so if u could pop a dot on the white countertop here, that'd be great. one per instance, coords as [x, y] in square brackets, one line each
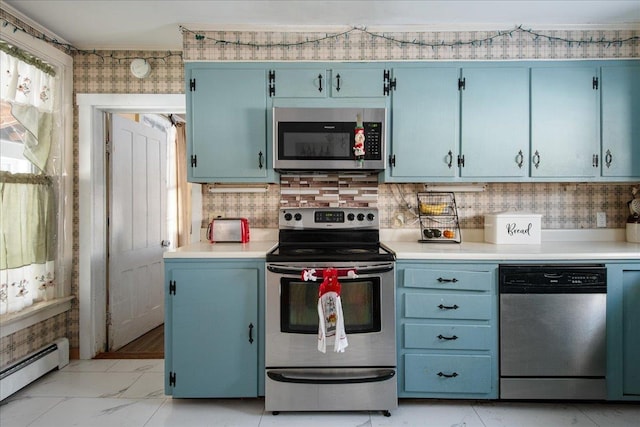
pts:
[252, 249]
[557, 245]
[550, 251]
[570, 245]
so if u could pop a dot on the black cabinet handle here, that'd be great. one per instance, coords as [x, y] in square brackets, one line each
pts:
[520, 159]
[448, 307]
[392, 160]
[338, 80]
[442, 374]
[320, 80]
[608, 158]
[595, 160]
[260, 159]
[536, 159]
[461, 161]
[454, 280]
[450, 156]
[250, 333]
[442, 337]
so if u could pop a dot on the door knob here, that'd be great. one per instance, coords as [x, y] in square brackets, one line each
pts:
[165, 243]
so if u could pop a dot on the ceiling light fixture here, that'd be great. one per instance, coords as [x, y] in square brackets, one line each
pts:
[140, 68]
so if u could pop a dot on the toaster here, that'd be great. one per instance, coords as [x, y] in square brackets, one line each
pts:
[228, 230]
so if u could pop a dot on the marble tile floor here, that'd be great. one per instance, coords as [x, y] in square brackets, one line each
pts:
[110, 393]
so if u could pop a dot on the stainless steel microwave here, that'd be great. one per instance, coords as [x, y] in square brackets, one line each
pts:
[327, 139]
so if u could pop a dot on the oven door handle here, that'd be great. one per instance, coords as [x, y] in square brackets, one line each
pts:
[360, 271]
[372, 376]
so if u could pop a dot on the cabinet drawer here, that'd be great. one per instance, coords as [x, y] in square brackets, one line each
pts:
[447, 374]
[448, 279]
[447, 337]
[447, 306]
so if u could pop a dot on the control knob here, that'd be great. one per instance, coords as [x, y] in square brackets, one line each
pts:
[298, 216]
[287, 216]
[370, 216]
[360, 217]
[351, 217]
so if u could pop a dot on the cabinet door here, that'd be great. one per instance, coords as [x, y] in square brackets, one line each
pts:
[424, 123]
[357, 82]
[631, 332]
[565, 121]
[214, 330]
[495, 123]
[621, 121]
[227, 129]
[299, 83]
[442, 374]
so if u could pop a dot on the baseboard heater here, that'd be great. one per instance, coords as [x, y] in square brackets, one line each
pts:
[33, 366]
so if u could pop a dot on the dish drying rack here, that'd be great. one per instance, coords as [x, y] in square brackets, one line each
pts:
[438, 217]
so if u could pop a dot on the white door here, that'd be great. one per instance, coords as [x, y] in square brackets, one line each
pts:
[137, 227]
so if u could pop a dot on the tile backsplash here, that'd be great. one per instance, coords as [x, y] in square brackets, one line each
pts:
[562, 205]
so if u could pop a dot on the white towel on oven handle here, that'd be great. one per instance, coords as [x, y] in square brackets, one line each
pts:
[331, 323]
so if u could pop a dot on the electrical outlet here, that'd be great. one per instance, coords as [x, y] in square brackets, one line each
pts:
[601, 219]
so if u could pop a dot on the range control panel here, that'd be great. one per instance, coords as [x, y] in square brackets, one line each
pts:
[334, 218]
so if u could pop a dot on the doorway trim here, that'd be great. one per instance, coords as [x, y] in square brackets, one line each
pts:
[92, 260]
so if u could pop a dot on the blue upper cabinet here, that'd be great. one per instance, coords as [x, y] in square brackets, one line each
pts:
[322, 81]
[621, 121]
[494, 136]
[424, 124]
[227, 124]
[565, 122]
[298, 83]
[359, 82]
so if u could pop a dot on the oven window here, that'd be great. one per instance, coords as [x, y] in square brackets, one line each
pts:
[360, 306]
[315, 141]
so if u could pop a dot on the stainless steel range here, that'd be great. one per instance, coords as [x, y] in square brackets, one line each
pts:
[299, 377]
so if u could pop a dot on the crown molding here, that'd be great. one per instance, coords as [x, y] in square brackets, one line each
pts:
[406, 28]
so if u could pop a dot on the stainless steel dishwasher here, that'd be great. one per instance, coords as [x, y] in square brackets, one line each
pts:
[553, 331]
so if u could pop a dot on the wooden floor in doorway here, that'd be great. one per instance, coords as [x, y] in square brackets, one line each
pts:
[148, 346]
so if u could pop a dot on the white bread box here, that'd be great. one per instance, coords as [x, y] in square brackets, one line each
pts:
[513, 228]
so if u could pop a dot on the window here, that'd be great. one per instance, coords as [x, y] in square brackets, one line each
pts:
[35, 172]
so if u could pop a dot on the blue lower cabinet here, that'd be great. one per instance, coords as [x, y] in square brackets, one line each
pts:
[623, 331]
[213, 329]
[447, 330]
[448, 337]
[443, 374]
[447, 306]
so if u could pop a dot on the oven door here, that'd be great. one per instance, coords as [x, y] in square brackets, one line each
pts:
[368, 306]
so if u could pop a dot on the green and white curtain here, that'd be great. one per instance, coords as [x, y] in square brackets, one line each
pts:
[28, 208]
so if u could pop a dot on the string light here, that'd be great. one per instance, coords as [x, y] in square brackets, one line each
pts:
[535, 35]
[435, 44]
